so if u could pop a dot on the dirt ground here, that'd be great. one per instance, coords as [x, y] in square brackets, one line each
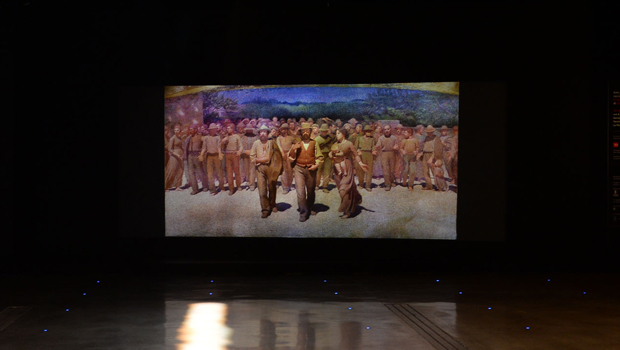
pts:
[398, 213]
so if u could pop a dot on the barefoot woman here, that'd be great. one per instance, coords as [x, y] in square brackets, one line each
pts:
[349, 197]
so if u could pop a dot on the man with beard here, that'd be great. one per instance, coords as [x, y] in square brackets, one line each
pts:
[388, 146]
[249, 169]
[260, 155]
[324, 141]
[432, 150]
[285, 142]
[232, 148]
[307, 157]
[193, 147]
[211, 148]
[366, 149]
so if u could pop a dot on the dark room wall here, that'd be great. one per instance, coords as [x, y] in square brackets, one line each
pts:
[73, 194]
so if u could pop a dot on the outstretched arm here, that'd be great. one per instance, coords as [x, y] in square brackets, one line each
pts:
[357, 157]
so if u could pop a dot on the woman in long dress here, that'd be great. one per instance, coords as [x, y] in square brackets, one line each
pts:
[174, 168]
[166, 139]
[346, 154]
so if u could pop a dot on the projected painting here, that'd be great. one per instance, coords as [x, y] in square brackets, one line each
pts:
[321, 161]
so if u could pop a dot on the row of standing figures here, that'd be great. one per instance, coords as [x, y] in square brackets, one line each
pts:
[395, 166]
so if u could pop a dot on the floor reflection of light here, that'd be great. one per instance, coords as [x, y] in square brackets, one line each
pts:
[205, 328]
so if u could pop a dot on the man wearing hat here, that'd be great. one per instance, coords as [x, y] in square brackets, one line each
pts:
[249, 170]
[324, 141]
[388, 147]
[193, 147]
[307, 157]
[432, 150]
[409, 148]
[211, 149]
[366, 149]
[232, 147]
[285, 142]
[315, 131]
[261, 155]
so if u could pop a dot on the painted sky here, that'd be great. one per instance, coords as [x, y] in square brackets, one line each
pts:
[302, 94]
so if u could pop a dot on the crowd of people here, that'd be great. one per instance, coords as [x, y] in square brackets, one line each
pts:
[313, 153]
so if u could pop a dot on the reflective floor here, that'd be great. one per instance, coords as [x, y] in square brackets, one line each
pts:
[210, 310]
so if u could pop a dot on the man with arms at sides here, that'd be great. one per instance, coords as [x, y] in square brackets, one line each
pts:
[432, 150]
[221, 131]
[409, 148]
[260, 155]
[240, 130]
[398, 162]
[388, 147]
[193, 147]
[232, 147]
[307, 157]
[419, 135]
[184, 137]
[445, 141]
[211, 149]
[366, 150]
[377, 132]
[324, 141]
[249, 169]
[285, 142]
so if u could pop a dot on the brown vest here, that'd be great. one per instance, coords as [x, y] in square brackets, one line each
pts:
[306, 157]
